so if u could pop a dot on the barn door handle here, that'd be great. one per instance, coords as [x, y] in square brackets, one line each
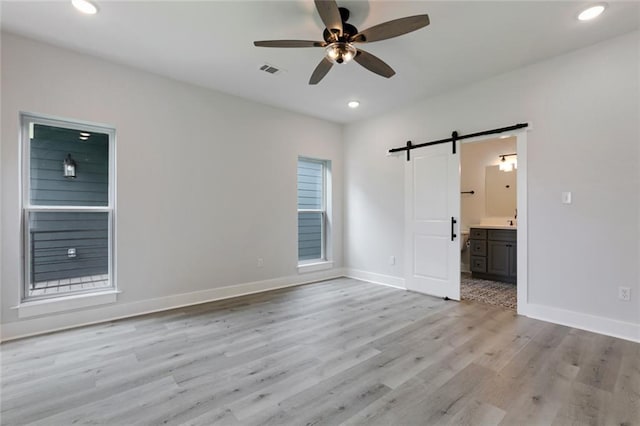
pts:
[453, 223]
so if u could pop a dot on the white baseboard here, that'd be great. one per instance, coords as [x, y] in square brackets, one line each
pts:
[596, 324]
[105, 313]
[372, 277]
[94, 315]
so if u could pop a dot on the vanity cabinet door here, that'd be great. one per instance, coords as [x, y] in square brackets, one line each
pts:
[498, 258]
[513, 261]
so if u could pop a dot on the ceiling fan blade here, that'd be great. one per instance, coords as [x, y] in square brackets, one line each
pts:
[289, 43]
[391, 29]
[321, 70]
[330, 15]
[373, 64]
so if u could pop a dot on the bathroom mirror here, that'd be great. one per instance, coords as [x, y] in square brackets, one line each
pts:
[500, 192]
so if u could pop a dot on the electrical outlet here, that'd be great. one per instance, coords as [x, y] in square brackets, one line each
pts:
[392, 260]
[260, 262]
[624, 293]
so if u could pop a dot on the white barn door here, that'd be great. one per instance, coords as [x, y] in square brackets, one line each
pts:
[432, 208]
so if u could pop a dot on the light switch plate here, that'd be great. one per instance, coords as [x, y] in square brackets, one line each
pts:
[566, 198]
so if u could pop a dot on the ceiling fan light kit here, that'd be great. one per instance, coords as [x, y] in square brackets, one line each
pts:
[340, 53]
[340, 37]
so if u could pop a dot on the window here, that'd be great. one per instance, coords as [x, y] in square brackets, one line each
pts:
[68, 207]
[312, 210]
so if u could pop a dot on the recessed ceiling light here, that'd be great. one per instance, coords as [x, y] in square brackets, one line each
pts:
[592, 12]
[84, 138]
[85, 134]
[85, 6]
[353, 104]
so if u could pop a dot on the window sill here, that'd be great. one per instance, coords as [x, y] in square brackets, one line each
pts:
[67, 303]
[315, 266]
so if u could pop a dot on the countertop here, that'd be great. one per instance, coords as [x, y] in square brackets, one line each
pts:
[494, 227]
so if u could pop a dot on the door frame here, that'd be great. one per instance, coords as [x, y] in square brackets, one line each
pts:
[522, 205]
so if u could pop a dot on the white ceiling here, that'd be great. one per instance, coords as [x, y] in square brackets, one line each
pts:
[210, 43]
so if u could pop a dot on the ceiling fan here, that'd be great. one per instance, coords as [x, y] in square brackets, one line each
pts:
[340, 37]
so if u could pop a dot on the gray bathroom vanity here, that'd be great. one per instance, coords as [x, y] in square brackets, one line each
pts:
[494, 253]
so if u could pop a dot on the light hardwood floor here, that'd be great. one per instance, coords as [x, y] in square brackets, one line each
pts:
[335, 352]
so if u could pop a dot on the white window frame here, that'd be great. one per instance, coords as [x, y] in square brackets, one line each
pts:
[310, 265]
[25, 138]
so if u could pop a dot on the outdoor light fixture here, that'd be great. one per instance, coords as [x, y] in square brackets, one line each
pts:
[69, 167]
[340, 53]
[507, 166]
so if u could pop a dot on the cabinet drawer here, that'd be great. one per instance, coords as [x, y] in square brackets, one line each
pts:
[502, 234]
[478, 264]
[478, 234]
[478, 248]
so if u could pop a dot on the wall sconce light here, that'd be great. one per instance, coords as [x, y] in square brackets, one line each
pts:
[508, 165]
[69, 167]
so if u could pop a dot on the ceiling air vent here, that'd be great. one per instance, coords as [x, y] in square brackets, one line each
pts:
[270, 69]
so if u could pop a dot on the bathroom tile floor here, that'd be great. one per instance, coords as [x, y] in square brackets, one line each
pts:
[490, 292]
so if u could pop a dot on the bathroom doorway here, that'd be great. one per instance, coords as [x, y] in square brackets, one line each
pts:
[491, 192]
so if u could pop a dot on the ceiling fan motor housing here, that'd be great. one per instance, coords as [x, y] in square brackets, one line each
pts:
[348, 30]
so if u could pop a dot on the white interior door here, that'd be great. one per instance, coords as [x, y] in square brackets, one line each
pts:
[432, 209]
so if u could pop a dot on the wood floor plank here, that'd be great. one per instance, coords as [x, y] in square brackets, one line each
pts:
[602, 363]
[269, 399]
[505, 387]
[585, 405]
[447, 363]
[626, 404]
[478, 413]
[336, 352]
[539, 399]
[218, 417]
